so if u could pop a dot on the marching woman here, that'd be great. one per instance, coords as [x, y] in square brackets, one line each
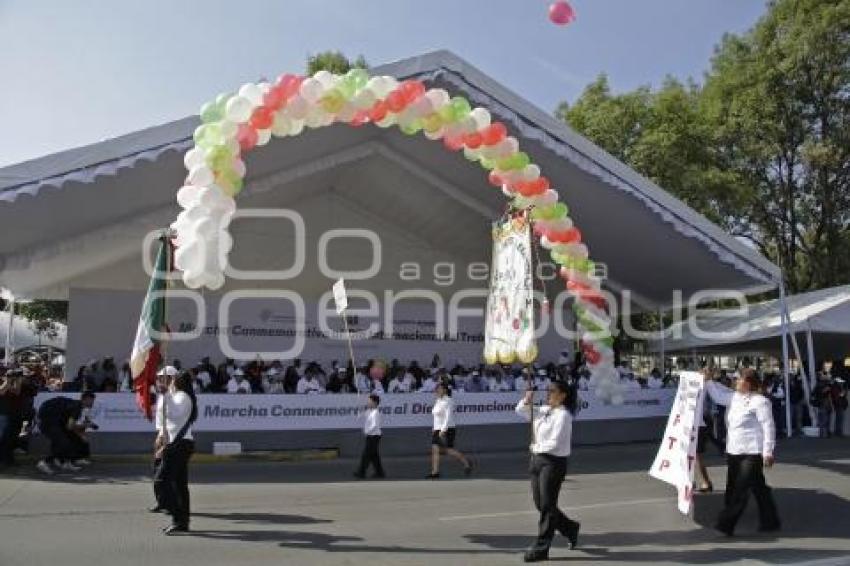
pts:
[443, 435]
[549, 452]
[750, 439]
[175, 438]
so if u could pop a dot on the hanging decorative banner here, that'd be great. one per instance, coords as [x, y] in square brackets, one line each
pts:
[674, 463]
[509, 325]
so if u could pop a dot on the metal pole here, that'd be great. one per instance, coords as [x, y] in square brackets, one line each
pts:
[807, 385]
[663, 352]
[351, 353]
[10, 332]
[785, 373]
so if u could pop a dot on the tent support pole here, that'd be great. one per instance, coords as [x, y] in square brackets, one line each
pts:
[663, 353]
[10, 332]
[785, 361]
[786, 317]
[813, 372]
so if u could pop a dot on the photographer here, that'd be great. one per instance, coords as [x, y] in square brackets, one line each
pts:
[62, 421]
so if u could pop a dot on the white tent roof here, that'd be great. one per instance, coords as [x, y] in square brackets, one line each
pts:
[76, 218]
[825, 312]
[24, 334]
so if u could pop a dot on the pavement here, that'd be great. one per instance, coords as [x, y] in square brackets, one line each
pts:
[314, 513]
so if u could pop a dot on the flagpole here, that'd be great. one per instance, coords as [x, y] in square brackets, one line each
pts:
[165, 239]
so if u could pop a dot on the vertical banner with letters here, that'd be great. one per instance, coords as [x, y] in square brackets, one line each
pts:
[509, 326]
[674, 463]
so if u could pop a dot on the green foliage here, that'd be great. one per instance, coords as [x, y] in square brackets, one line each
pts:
[762, 148]
[333, 61]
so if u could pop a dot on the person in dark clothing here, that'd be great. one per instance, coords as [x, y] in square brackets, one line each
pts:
[57, 419]
[292, 376]
[10, 392]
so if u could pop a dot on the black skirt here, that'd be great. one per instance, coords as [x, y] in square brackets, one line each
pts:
[447, 442]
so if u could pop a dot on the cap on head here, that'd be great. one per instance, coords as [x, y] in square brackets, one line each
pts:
[169, 371]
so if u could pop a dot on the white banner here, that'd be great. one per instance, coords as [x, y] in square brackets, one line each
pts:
[509, 328]
[117, 412]
[674, 463]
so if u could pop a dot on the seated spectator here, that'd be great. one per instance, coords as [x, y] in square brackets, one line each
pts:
[125, 378]
[361, 381]
[542, 381]
[273, 382]
[398, 384]
[203, 377]
[308, 384]
[292, 377]
[474, 383]
[496, 382]
[429, 384]
[238, 383]
[655, 381]
[521, 382]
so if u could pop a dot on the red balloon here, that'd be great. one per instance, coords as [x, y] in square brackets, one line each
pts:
[396, 101]
[262, 118]
[246, 136]
[412, 90]
[289, 85]
[561, 13]
[274, 98]
[453, 143]
[379, 111]
[494, 179]
[494, 133]
[473, 140]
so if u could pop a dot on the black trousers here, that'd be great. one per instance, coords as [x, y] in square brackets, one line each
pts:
[158, 483]
[63, 444]
[745, 473]
[175, 480]
[547, 475]
[371, 456]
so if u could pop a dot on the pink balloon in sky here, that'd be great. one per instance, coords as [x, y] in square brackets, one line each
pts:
[561, 13]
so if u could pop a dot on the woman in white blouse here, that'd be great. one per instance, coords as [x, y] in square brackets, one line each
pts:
[550, 449]
[443, 434]
[750, 440]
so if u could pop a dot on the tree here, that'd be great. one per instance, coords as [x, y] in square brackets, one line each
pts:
[44, 315]
[762, 148]
[333, 61]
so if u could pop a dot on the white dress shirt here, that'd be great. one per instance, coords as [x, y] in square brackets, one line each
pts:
[178, 409]
[308, 386]
[428, 385]
[553, 429]
[749, 420]
[234, 386]
[444, 413]
[372, 426]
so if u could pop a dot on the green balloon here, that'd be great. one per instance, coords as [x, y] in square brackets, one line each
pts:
[488, 164]
[460, 108]
[210, 112]
[219, 157]
[358, 77]
[521, 159]
[559, 210]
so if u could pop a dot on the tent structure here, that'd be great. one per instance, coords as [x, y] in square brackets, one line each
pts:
[76, 219]
[23, 334]
[822, 316]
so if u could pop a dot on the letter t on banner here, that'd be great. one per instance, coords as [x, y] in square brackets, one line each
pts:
[341, 301]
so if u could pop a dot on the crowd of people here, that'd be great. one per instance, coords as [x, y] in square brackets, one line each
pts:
[259, 376]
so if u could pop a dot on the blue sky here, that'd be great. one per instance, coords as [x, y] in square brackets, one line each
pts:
[78, 72]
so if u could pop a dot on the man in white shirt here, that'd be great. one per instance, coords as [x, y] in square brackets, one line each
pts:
[429, 384]
[372, 432]
[750, 440]
[361, 381]
[409, 381]
[238, 383]
[203, 377]
[398, 385]
[308, 384]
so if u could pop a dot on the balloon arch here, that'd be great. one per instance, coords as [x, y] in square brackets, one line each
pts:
[232, 125]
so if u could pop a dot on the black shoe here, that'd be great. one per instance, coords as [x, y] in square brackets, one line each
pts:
[536, 555]
[726, 531]
[175, 529]
[157, 509]
[432, 476]
[572, 534]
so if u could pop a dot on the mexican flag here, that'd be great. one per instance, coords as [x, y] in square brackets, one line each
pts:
[144, 362]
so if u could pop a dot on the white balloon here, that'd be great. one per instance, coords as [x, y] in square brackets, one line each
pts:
[228, 129]
[438, 97]
[252, 92]
[239, 167]
[315, 117]
[311, 90]
[297, 127]
[298, 107]
[481, 116]
[187, 196]
[192, 280]
[530, 172]
[263, 137]
[215, 281]
[325, 78]
[281, 125]
[548, 198]
[194, 157]
[378, 87]
[238, 109]
[201, 176]
[364, 99]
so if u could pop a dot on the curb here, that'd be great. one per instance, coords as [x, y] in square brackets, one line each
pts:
[208, 458]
